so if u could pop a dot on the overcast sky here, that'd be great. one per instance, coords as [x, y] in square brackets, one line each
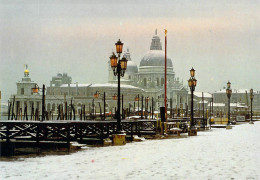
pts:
[220, 39]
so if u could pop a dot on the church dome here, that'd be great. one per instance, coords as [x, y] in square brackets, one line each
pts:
[155, 57]
[131, 66]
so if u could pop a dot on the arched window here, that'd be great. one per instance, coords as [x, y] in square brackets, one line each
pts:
[48, 107]
[53, 107]
[145, 82]
[162, 81]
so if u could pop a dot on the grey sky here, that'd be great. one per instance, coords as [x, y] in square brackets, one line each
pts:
[220, 39]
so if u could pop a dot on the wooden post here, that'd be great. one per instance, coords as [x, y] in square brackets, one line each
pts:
[9, 109]
[104, 106]
[32, 111]
[100, 111]
[43, 102]
[152, 107]
[62, 114]
[134, 108]
[13, 109]
[66, 110]
[142, 109]
[84, 112]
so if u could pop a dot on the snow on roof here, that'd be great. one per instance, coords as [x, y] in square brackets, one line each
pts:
[74, 85]
[114, 85]
[238, 105]
[218, 104]
[205, 94]
[201, 102]
[235, 91]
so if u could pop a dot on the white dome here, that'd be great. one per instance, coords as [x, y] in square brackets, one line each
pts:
[155, 58]
[131, 67]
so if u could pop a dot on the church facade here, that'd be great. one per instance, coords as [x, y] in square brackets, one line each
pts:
[147, 80]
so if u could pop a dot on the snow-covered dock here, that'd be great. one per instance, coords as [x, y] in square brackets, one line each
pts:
[214, 154]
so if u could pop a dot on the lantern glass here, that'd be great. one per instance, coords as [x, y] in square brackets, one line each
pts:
[35, 89]
[96, 95]
[113, 60]
[228, 91]
[192, 72]
[123, 63]
[119, 46]
[136, 98]
[147, 99]
[114, 97]
[228, 84]
[190, 82]
[194, 82]
[251, 91]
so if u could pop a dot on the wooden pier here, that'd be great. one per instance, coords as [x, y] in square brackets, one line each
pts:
[60, 133]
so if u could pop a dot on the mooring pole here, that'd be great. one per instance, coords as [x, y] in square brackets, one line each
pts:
[43, 102]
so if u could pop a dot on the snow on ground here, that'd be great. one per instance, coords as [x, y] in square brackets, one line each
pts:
[216, 154]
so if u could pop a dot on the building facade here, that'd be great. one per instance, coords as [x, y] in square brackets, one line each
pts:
[147, 80]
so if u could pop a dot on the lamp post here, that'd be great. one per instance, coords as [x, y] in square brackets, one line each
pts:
[96, 95]
[36, 89]
[192, 82]
[228, 92]
[251, 98]
[119, 66]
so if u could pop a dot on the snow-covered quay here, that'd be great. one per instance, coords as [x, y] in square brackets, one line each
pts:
[214, 154]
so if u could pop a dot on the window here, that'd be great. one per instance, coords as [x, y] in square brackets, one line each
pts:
[145, 82]
[162, 81]
[158, 82]
[22, 91]
[129, 77]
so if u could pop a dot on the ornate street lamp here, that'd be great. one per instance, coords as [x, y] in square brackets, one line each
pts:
[228, 92]
[251, 98]
[114, 97]
[36, 89]
[119, 66]
[192, 82]
[96, 94]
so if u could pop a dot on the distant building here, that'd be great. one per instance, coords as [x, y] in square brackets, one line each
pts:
[240, 100]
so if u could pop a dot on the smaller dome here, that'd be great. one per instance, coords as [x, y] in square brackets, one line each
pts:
[131, 67]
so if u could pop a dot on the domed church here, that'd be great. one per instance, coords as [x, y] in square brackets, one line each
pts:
[147, 80]
[150, 75]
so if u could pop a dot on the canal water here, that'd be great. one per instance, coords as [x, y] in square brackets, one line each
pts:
[214, 154]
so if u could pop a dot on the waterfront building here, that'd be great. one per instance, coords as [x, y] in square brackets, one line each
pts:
[147, 80]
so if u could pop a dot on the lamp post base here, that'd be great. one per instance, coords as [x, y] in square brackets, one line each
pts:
[192, 132]
[251, 122]
[228, 126]
[119, 139]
